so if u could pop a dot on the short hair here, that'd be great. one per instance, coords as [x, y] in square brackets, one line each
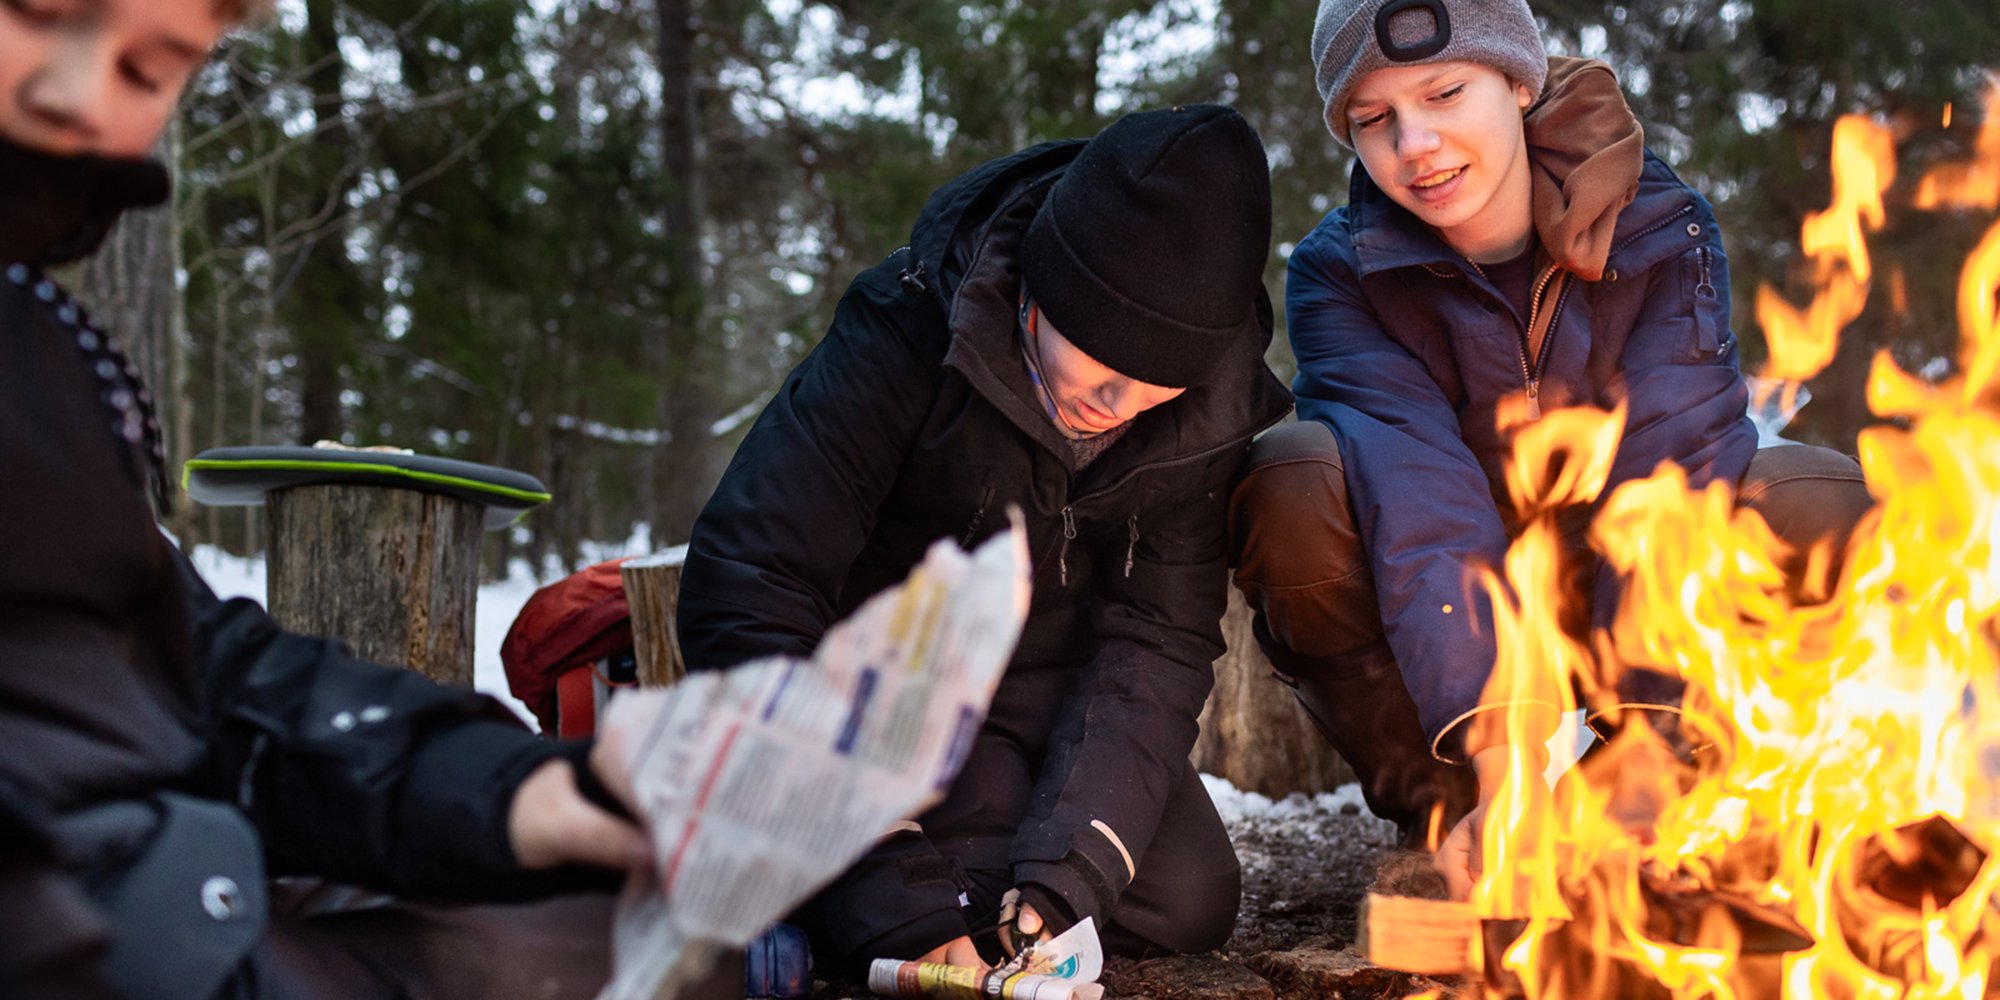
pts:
[245, 11]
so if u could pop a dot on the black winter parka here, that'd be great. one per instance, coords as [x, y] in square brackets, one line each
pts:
[167, 752]
[914, 420]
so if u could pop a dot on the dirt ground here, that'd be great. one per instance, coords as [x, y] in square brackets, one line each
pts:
[1306, 865]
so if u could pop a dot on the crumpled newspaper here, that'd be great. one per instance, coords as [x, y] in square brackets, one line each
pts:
[762, 783]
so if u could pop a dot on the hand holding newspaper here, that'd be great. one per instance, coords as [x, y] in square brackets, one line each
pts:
[762, 783]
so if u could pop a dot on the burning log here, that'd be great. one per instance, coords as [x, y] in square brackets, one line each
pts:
[1680, 911]
[1931, 861]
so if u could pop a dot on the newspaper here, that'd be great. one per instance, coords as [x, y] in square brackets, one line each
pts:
[762, 783]
[1064, 967]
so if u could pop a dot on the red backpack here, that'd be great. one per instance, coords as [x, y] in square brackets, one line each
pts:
[571, 644]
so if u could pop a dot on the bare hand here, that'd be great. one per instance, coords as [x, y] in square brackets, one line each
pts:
[958, 951]
[550, 823]
[1023, 930]
[1458, 858]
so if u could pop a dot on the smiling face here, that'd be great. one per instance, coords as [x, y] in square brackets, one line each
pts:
[1445, 141]
[1089, 398]
[98, 76]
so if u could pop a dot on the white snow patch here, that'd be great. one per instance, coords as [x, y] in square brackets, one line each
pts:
[1239, 808]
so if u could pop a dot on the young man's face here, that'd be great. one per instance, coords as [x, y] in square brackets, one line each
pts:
[1089, 397]
[98, 76]
[1445, 141]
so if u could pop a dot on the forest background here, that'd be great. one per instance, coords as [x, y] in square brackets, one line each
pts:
[586, 238]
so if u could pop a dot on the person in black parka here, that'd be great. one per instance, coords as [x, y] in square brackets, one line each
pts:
[166, 752]
[1075, 331]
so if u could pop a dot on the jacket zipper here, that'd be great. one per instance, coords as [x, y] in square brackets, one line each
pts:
[978, 518]
[1069, 535]
[1531, 372]
[1131, 543]
[1650, 230]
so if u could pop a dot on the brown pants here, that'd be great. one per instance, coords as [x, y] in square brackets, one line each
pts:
[557, 949]
[1302, 568]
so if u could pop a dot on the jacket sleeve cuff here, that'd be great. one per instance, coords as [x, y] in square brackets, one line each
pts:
[1083, 890]
[588, 783]
[455, 804]
[1056, 915]
[1485, 726]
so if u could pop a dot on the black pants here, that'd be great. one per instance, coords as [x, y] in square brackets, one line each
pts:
[1183, 898]
[1302, 568]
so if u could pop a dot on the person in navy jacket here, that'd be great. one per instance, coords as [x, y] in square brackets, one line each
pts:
[1508, 247]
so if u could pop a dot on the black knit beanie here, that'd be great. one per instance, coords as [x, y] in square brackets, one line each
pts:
[1149, 252]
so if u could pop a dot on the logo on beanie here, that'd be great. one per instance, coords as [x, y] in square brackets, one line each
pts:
[1423, 48]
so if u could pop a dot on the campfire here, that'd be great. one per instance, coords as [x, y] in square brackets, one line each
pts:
[1820, 819]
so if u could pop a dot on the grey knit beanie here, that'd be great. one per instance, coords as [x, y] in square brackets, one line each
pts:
[1353, 38]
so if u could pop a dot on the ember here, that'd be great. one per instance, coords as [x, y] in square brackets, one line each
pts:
[1819, 821]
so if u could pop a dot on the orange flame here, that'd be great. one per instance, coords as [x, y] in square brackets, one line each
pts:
[1803, 342]
[1844, 798]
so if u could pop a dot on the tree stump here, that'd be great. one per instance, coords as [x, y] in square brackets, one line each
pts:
[1253, 731]
[653, 593]
[394, 572]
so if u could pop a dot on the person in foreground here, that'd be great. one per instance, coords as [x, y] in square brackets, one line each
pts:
[167, 753]
[1508, 247]
[1076, 330]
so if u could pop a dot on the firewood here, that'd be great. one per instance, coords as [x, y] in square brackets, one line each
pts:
[1433, 937]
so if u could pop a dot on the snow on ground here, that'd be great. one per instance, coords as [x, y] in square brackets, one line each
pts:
[499, 603]
[1239, 807]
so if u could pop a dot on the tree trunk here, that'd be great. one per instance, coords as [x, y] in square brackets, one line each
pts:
[684, 464]
[330, 294]
[393, 572]
[1253, 731]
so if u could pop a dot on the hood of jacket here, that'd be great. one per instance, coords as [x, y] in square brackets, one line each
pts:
[965, 245]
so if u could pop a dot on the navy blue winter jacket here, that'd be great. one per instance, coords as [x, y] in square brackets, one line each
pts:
[1407, 352]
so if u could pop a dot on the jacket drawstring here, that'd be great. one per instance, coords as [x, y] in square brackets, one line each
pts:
[1131, 543]
[1069, 535]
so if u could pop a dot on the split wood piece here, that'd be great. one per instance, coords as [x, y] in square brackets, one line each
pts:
[1438, 937]
[1253, 731]
[653, 593]
[393, 572]
[1432, 937]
